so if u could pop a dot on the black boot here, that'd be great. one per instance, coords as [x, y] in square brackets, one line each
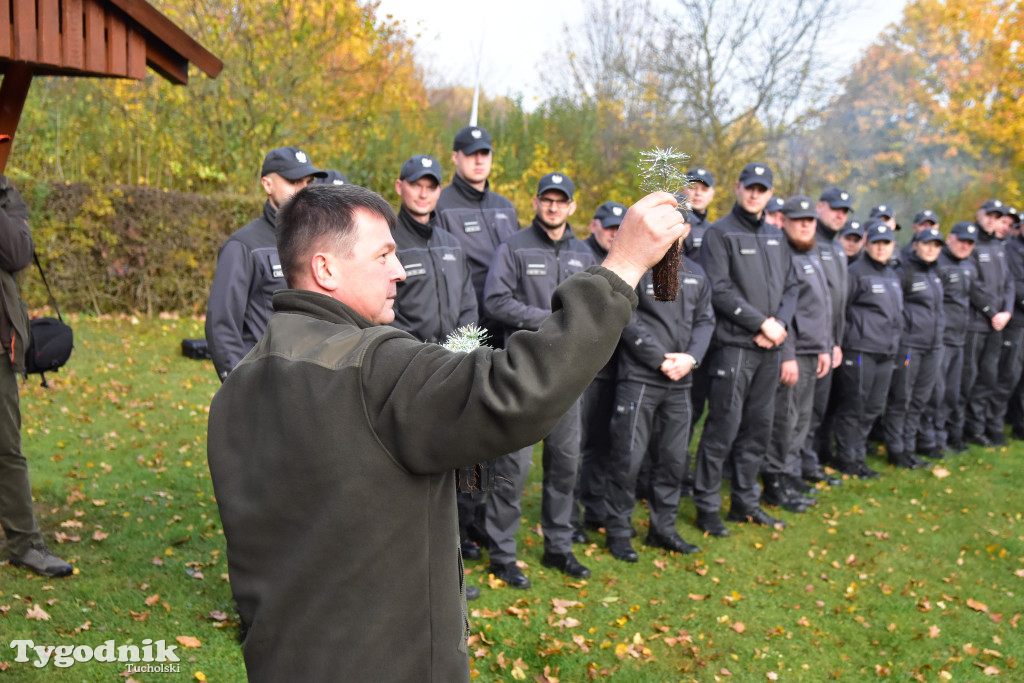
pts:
[775, 492]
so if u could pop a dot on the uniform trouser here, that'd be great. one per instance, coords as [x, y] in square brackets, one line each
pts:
[560, 457]
[793, 408]
[913, 382]
[651, 418]
[1011, 360]
[863, 383]
[16, 514]
[817, 448]
[471, 507]
[1015, 406]
[979, 379]
[596, 408]
[698, 397]
[938, 422]
[741, 405]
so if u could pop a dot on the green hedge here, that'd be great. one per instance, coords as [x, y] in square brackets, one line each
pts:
[128, 249]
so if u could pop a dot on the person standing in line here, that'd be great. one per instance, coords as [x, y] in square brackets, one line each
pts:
[480, 219]
[748, 267]
[942, 423]
[920, 352]
[874, 317]
[527, 268]
[806, 360]
[248, 268]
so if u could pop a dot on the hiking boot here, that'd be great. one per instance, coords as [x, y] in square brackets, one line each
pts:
[775, 493]
[819, 474]
[673, 542]
[755, 516]
[39, 559]
[565, 563]
[579, 535]
[622, 549]
[510, 574]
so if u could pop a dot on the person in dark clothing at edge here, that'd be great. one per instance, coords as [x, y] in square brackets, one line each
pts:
[1015, 247]
[748, 266]
[660, 348]
[806, 359]
[436, 297]
[920, 351]
[833, 210]
[248, 268]
[335, 487]
[943, 422]
[1011, 355]
[480, 219]
[598, 400]
[992, 303]
[527, 268]
[874, 321]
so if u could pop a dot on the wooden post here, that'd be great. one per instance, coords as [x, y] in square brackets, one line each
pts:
[13, 92]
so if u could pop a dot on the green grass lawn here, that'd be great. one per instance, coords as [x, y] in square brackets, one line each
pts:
[913, 576]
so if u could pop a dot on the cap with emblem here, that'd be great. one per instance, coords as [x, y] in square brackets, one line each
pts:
[332, 177]
[421, 165]
[994, 206]
[929, 235]
[882, 210]
[556, 181]
[701, 175]
[877, 231]
[836, 198]
[965, 230]
[799, 206]
[757, 173]
[291, 163]
[775, 204]
[852, 228]
[1013, 213]
[610, 214]
[925, 216]
[471, 140]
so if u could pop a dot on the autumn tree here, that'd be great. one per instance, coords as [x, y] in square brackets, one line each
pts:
[931, 114]
[328, 76]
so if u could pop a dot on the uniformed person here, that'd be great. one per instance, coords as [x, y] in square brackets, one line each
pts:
[660, 348]
[1011, 361]
[526, 269]
[806, 360]
[700, 195]
[874, 320]
[332, 177]
[992, 303]
[943, 422]
[480, 219]
[747, 264]
[598, 400]
[773, 212]
[248, 269]
[920, 352]
[852, 238]
[436, 297]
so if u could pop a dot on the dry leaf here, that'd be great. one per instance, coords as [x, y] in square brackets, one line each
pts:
[940, 472]
[977, 606]
[153, 599]
[189, 641]
[36, 612]
[99, 535]
[738, 627]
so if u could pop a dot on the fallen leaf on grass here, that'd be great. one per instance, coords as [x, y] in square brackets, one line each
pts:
[66, 538]
[153, 599]
[99, 535]
[977, 606]
[562, 606]
[694, 596]
[37, 612]
[934, 631]
[738, 627]
[217, 615]
[484, 613]
[189, 641]
[940, 472]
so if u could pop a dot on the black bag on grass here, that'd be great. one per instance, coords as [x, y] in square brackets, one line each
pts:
[50, 346]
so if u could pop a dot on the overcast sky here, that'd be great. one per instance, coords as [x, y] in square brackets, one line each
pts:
[516, 34]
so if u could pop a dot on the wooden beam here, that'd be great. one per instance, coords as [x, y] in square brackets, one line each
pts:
[166, 62]
[49, 31]
[117, 46]
[73, 35]
[166, 31]
[6, 30]
[24, 21]
[136, 54]
[95, 37]
[13, 92]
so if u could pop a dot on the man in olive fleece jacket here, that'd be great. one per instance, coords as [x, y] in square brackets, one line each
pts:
[332, 444]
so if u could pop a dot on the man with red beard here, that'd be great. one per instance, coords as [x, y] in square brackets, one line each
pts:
[806, 358]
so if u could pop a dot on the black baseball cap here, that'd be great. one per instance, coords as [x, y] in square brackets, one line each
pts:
[332, 177]
[929, 235]
[799, 206]
[877, 231]
[556, 181]
[994, 206]
[471, 140]
[965, 230]
[701, 175]
[881, 210]
[610, 214]
[756, 173]
[836, 198]
[291, 163]
[1012, 211]
[421, 165]
[774, 204]
[852, 228]
[926, 215]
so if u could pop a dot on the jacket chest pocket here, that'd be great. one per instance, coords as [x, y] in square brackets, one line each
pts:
[747, 248]
[274, 265]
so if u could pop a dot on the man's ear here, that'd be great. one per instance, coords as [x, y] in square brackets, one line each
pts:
[324, 269]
